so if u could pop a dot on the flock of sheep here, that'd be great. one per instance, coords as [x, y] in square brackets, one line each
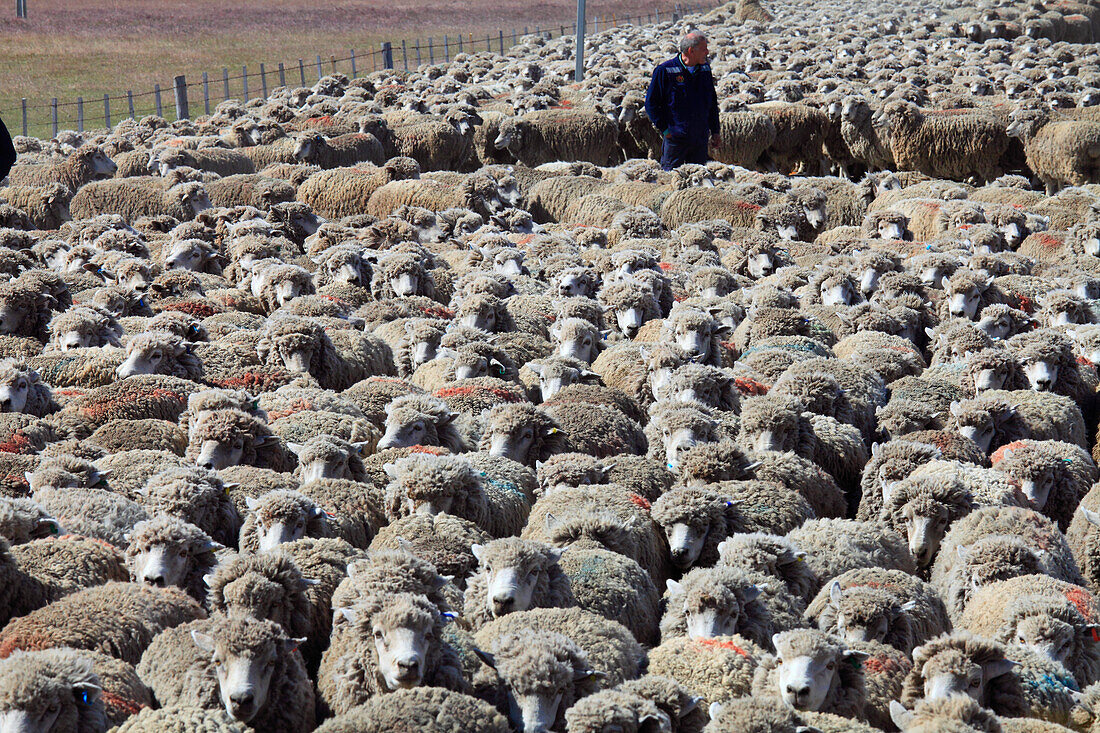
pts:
[425, 401]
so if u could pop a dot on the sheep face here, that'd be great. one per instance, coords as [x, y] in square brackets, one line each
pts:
[952, 673]
[1035, 471]
[806, 681]
[43, 702]
[574, 282]
[159, 565]
[402, 636]
[963, 303]
[760, 265]
[187, 254]
[925, 525]
[287, 289]
[150, 358]
[679, 440]
[514, 444]
[979, 427]
[888, 229]
[511, 580]
[15, 388]
[685, 542]
[576, 340]
[244, 676]
[861, 616]
[13, 313]
[838, 292]
[1046, 636]
[483, 317]
[695, 339]
[1041, 374]
[629, 320]
[997, 326]
[405, 428]
[554, 378]
[281, 523]
[990, 377]
[215, 455]
[424, 348]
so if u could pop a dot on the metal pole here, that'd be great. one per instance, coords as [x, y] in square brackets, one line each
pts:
[53, 115]
[418, 52]
[130, 102]
[431, 51]
[263, 79]
[205, 93]
[244, 80]
[156, 93]
[182, 112]
[320, 72]
[446, 48]
[404, 54]
[24, 104]
[578, 74]
[107, 110]
[80, 114]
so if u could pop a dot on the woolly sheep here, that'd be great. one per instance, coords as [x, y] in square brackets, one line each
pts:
[249, 668]
[165, 551]
[224, 438]
[833, 546]
[514, 575]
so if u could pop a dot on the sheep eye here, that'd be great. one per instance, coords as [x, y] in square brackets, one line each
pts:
[587, 341]
[418, 426]
[378, 634]
[155, 356]
[830, 665]
[974, 683]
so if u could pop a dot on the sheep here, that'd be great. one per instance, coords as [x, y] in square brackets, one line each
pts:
[1060, 152]
[1054, 476]
[130, 616]
[223, 161]
[87, 163]
[339, 151]
[436, 711]
[46, 206]
[549, 135]
[723, 601]
[415, 419]
[696, 521]
[538, 675]
[165, 551]
[338, 358]
[888, 606]
[249, 668]
[997, 418]
[523, 433]
[833, 546]
[180, 719]
[21, 520]
[1049, 624]
[514, 575]
[386, 642]
[142, 196]
[438, 484]
[717, 670]
[813, 671]
[21, 390]
[57, 689]
[948, 145]
[326, 456]
[223, 438]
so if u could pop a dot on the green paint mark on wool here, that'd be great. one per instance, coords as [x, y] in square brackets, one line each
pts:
[506, 486]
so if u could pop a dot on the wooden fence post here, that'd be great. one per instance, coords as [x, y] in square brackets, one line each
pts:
[418, 52]
[156, 94]
[320, 71]
[353, 74]
[244, 80]
[514, 39]
[431, 51]
[282, 74]
[263, 80]
[182, 111]
[387, 55]
[53, 115]
[24, 105]
[107, 110]
[302, 71]
[500, 33]
[205, 93]
[80, 114]
[130, 102]
[225, 81]
[446, 48]
[404, 54]
[460, 43]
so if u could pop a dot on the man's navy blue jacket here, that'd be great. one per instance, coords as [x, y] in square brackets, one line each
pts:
[682, 102]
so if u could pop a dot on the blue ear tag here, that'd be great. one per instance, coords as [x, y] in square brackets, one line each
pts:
[84, 697]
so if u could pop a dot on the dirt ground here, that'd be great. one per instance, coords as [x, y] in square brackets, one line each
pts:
[71, 48]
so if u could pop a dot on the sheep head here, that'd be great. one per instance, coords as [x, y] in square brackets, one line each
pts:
[516, 571]
[687, 516]
[1036, 470]
[555, 374]
[328, 457]
[959, 664]
[55, 689]
[404, 628]
[17, 380]
[225, 438]
[712, 601]
[772, 423]
[811, 667]
[416, 420]
[164, 551]
[521, 432]
[861, 614]
[246, 655]
[676, 429]
[286, 516]
[576, 338]
[154, 353]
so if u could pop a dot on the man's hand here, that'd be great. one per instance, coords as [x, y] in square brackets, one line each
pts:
[715, 140]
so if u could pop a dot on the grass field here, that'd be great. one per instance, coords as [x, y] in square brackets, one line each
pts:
[71, 48]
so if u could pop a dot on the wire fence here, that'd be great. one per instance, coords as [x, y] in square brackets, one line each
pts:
[184, 97]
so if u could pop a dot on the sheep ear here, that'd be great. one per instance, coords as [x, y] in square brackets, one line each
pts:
[998, 668]
[208, 580]
[672, 586]
[836, 593]
[714, 710]
[486, 657]
[296, 448]
[552, 522]
[362, 446]
[956, 408]
[875, 449]
[1091, 517]
[202, 641]
[644, 353]
[962, 552]
[478, 551]
[722, 547]
[902, 718]
[1007, 453]
[581, 675]
[888, 489]
[855, 656]
[535, 367]
[929, 332]
[909, 606]
[555, 553]
[752, 592]
[390, 469]
[251, 503]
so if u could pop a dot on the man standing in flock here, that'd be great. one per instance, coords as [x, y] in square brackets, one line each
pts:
[682, 104]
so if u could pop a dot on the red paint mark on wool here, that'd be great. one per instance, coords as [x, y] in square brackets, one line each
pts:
[640, 501]
[723, 645]
[665, 265]
[294, 407]
[432, 450]
[248, 379]
[1026, 304]
[750, 387]
[999, 454]
[193, 308]
[526, 239]
[1083, 600]
[1083, 361]
[438, 312]
[17, 443]
[882, 665]
[12, 478]
[334, 299]
[115, 702]
[747, 205]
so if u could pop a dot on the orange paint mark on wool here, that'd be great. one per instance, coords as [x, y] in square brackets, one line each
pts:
[115, 702]
[750, 387]
[1082, 600]
[999, 454]
[666, 266]
[431, 450]
[723, 645]
[747, 205]
[294, 407]
[882, 665]
[17, 443]
[641, 501]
